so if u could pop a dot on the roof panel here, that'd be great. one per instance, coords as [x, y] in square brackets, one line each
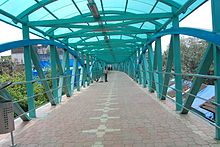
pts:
[149, 25]
[15, 7]
[114, 5]
[62, 30]
[140, 6]
[44, 15]
[135, 14]
[83, 6]
[161, 7]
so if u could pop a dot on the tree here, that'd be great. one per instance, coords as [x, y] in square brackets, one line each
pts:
[19, 93]
[192, 51]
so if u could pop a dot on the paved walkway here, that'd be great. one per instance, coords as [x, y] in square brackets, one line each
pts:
[118, 113]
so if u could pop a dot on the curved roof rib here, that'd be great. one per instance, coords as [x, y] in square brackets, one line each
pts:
[107, 30]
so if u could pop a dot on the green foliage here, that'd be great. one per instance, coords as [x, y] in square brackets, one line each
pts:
[19, 93]
[192, 51]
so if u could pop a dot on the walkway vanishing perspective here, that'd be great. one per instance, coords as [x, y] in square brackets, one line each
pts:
[118, 113]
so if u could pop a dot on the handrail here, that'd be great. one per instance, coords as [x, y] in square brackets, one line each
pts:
[27, 42]
[199, 33]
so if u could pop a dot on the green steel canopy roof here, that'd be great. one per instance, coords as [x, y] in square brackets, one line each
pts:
[110, 30]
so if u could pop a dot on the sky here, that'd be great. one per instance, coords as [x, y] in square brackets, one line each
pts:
[201, 18]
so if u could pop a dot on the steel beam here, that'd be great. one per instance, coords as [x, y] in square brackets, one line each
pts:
[54, 72]
[168, 69]
[41, 74]
[82, 19]
[74, 70]
[68, 75]
[177, 65]
[150, 68]
[28, 73]
[197, 81]
[158, 52]
[216, 28]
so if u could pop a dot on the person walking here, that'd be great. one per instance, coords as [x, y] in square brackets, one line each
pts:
[106, 74]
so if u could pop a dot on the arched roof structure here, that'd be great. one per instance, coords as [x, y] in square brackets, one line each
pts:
[110, 30]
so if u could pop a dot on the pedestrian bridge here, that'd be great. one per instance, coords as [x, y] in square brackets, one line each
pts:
[82, 38]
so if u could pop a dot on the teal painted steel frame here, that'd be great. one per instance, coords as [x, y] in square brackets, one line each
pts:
[28, 72]
[216, 28]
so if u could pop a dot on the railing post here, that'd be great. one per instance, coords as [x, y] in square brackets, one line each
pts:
[62, 79]
[141, 74]
[83, 71]
[54, 72]
[168, 69]
[177, 65]
[135, 68]
[73, 74]
[159, 66]
[78, 75]
[28, 72]
[87, 70]
[144, 70]
[139, 68]
[216, 29]
[36, 63]
[68, 76]
[150, 68]
[82, 76]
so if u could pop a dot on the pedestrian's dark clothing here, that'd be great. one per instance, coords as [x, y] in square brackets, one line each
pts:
[106, 75]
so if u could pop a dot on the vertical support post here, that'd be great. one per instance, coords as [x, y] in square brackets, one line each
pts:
[62, 79]
[216, 28]
[139, 68]
[74, 71]
[155, 74]
[150, 68]
[83, 71]
[36, 63]
[28, 72]
[135, 67]
[217, 89]
[78, 78]
[141, 74]
[144, 70]
[87, 70]
[177, 65]
[54, 72]
[145, 66]
[167, 71]
[81, 77]
[67, 74]
[159, 66]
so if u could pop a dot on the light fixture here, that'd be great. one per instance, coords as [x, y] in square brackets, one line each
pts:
[93, 8]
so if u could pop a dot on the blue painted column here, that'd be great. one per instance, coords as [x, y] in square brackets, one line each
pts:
[177, 65]
[216, 49]
[28, 72]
